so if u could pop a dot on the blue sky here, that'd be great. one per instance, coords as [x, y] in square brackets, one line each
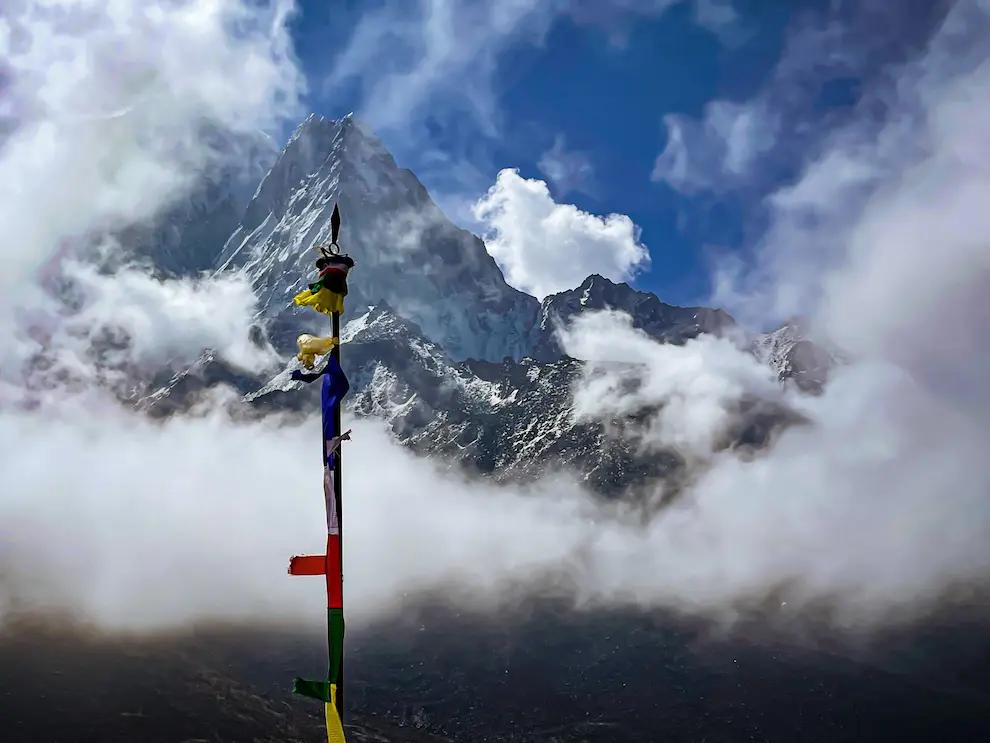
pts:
[685, 115]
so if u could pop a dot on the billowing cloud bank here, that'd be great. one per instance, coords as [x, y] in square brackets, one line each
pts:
[111, 112]
[875, 508]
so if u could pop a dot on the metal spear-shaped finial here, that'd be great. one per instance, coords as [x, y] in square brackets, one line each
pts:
[335, 225]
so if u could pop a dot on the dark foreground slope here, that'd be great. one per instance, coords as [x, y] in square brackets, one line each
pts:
[74, 685]
[448, 676]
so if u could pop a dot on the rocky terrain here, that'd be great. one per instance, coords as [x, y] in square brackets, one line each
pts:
[537, 674]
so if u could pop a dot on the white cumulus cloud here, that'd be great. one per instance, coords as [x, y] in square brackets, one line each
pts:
[165, 323]
[545, 247]
[696, 388]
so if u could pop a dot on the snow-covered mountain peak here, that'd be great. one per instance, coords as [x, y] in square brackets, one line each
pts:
[312, 129]
[409, 256]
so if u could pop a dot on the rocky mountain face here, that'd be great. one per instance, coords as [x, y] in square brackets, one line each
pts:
[458, 363]
[507, 420]
[408, 254]
[510, 420]
[795, 357]
[665, 322]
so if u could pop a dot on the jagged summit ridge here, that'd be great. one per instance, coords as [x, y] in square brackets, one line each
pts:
[306, 160]
[665, 322]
